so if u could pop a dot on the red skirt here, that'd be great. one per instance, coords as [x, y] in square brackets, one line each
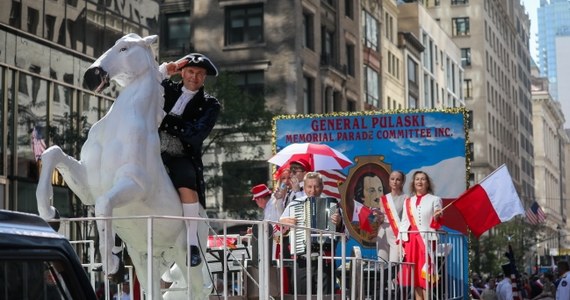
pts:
[415, 253]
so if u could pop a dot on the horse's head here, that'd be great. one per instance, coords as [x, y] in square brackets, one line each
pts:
[124, 62]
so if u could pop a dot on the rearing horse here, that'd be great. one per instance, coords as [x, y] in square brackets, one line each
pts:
[120, 170]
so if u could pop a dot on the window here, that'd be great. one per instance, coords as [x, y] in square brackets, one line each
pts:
[412, 71]
[251, 83]
[337, 101]
[35, 278]
[460, 26]
[393, 65]
[389, 27]
[370, 29]
[15, 13]
[308, 95]
[349, 8]
[465, 57]
[428, 89]
[350, 105]
[372, 87]
[50, 27]
[244, 24]
[177, 31]
[459, 2]
[327, 47]
[33, 19]
[432, 3]
[308, 36]
[23, 84]
[350, 59]
[412, 101]
[238, 177]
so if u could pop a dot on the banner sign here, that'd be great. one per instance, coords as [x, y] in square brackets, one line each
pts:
[433, 141]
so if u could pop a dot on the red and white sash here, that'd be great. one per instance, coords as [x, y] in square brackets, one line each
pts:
[391, 213]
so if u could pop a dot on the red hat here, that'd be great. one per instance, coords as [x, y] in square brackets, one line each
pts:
[260, 191]
[305, 164]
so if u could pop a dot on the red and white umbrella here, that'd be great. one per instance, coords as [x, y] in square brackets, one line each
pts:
[319, 156]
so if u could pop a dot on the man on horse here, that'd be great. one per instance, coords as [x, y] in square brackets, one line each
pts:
[191, 115]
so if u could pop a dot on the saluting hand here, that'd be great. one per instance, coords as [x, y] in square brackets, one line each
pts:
[174, 67]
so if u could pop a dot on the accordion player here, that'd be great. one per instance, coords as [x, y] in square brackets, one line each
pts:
[315, 213]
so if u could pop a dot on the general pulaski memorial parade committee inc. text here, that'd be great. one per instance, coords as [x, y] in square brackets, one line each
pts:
[368, 128]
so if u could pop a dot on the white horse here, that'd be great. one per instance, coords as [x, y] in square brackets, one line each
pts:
[121, 171]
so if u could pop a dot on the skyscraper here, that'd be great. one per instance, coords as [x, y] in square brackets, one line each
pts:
[553, 21]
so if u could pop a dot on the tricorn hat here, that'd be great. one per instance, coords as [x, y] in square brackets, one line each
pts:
[260, 191]
[200, 60]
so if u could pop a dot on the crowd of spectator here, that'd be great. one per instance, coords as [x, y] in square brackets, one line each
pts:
[524, 286]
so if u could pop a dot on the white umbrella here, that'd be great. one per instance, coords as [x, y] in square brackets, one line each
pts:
[319, 156]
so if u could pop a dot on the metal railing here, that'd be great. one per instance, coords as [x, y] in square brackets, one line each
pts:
[245, 265]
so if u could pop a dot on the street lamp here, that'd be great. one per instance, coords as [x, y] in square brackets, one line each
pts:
[537, 256]
[559, 229]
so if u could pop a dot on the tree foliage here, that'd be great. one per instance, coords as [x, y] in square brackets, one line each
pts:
[488, 252]
[244, 123]
[244, 119]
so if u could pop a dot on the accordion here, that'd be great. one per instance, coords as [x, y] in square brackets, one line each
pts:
[314, 213]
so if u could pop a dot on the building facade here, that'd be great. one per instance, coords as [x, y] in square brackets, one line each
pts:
[307, 57]
[393, 74]
[562, 43]
[46, 47]
[440, 69]
[550, 141]
[494, 38]
[318, 57]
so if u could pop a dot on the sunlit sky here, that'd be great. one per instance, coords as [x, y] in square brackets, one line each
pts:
[531, 6]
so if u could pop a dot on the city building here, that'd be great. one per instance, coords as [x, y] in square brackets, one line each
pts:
[440, 68]
[494, 38]
[308, 57]
[550, 141]
[562, 44]
[317, 57]
[553, 22]
[46, 47]
[393, 69]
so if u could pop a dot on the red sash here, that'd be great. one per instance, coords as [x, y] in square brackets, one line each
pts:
[410, 214]
[390, 215]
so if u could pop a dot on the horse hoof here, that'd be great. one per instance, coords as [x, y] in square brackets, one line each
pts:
[55, 225]
[195, 257]
[119, 276]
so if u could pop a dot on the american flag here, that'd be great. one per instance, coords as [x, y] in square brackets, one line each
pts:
[535, 214]
[331, 180]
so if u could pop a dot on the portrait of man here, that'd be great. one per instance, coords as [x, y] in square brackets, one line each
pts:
[369, 189]
[362, 192]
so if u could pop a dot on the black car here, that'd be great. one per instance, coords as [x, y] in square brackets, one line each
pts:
[38, 263]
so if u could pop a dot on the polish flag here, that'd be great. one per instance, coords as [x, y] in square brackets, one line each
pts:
[364, 218]
[491, 202]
